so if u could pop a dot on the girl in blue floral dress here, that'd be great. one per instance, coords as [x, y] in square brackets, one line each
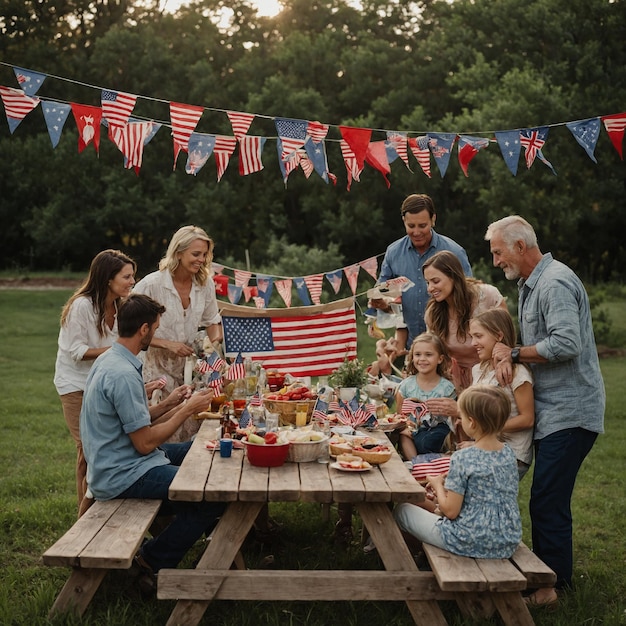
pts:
[478, 497]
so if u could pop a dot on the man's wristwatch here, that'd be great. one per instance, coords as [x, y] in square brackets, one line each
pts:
[515, 355]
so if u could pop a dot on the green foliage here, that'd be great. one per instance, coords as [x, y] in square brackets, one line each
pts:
[351, 373]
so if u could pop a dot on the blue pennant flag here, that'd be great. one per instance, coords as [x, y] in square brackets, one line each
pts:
[200, 148]
[510, 146]
[586, 133]
[55, 114]
[234, 293]
[440, 145]
[28, 80]
[303, 292]
[317, 155]
[265, 286]
[334, 278]
[294, 129]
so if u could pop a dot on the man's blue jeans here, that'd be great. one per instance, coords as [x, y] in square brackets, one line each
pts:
[191, 518]
[558, 458]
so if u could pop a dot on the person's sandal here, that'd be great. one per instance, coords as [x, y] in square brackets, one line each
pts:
[147, 578]
[550, 603]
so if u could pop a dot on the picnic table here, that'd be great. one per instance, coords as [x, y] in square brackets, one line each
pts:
[247, 489]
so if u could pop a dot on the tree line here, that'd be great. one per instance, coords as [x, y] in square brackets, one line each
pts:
[462, 66]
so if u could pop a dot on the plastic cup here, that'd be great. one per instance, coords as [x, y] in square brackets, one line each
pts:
[226, 447]
[271, 422]
[302, 409]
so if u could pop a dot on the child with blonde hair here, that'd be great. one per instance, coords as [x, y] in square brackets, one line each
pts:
[477, 499]
[428, 366]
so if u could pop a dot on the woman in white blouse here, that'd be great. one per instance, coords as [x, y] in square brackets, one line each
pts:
[183, 284]
[88, 328]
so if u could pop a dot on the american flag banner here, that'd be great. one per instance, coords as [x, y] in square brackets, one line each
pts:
[398, 141]
[240, 122]
[370, 266]
[419, 148]
[184, 119]
[216, 382]
[237, 369]
[130, 140]
[223, 150]
[352, 275]
[468, 148]
[314, 285]
[303, 341]
[615, 125]
[117, 106]
[317, 131]
[17, 105]
[250, 150]
[284, 289]
[28, 80]
[352, 167]
[335, 278]
[242, 278]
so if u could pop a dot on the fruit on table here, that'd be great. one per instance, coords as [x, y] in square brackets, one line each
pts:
[270, 438]
[252, 438]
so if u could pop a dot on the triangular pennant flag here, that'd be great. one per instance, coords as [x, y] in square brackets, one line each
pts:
[314, 285]
[317, 155]
[397, 142]
[55, 114]
[303, 292]
[468, 148]
[533, 140]
[218, 268]
[250, 292]
[284, 289]
[359, 140]
[440, 145]
[117, 107]
[350, 160]
[305, 163]
[586, 133]
[87, 120]
[370, 266]
[265, 286]
[335, 278]
[376, 156]
[419, 148]
[510, 146]
[259, 302]
[223, 150]
[615, 125]
[185, 118]
[17, 105]
[240, 122]
[317, 131]
[221, 284]
[250, 150]
[242, 278]
[130, 140]
[352, 275]
[234, 293]
[287, 159]
[28, 80]
[199, 149]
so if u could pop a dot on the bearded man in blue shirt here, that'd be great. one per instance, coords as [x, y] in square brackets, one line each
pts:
[558, 344]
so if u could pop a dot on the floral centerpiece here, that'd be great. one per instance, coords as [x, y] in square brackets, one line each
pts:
[351, 374]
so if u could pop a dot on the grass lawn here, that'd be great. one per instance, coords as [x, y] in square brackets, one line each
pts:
[37, 505]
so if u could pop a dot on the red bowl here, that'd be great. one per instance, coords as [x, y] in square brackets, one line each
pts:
[267, 455]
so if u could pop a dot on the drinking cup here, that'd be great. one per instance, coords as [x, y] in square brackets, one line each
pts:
[271, 422]
[226, 447]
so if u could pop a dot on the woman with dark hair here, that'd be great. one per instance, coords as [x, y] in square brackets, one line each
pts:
[89, 328]
[454, 300]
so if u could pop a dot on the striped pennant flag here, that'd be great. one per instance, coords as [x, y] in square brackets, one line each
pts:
[352, 166]
[284, 289]
[240, 122]
[615, 125]
[250, 150]
[242, 278]
[17, 105]
[131, 140]
[223, 150]
[419, 148]
[314, 285]
[317, 131]
[184, 119]
[117, 106]
[237, 369]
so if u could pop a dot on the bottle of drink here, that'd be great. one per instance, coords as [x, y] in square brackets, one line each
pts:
[225, 420]
[198, 342]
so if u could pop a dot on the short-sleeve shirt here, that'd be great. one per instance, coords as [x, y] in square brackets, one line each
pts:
[409, 388]
[76, 336]
[489, 525]
[177, 323]
[114, 405]
[521, 441]
[402, 259]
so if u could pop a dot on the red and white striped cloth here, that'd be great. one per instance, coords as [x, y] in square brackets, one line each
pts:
[16, 103]
[430, 468]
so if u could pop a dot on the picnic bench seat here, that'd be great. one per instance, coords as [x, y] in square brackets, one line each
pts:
[484, 586]
[106, 537]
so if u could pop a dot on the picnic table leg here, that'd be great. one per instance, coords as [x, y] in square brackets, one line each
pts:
[78, 591]
[396, 556]
[512, 608]
[223, 549]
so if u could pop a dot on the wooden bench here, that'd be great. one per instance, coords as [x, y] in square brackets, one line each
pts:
[484, 586]
[106, 537]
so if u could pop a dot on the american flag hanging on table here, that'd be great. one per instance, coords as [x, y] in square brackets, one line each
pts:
[302, 341]
[246, 419]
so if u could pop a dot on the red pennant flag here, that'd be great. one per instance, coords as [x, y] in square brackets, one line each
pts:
[240, 122]
[88, 120]
[221, 284]
[370, 266]
[359, 140]
[468, 148]
[184, 118]
[615, 125]
[223, 150]
[284, 289]
[314, 285]
[376, 156]
[250, 292]
[352, 275]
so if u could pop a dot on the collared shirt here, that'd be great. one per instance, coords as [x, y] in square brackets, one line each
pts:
[177, 323]
[76, 336]
[555, 317]
[402, 259]
[114, 405]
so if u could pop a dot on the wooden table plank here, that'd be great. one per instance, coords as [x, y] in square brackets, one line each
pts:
[222, 484]
[315, 485]
[284, 483]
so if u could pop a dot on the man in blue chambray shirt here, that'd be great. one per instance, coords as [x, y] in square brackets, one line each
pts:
[558, 344]
[126, 453]
[406, 256]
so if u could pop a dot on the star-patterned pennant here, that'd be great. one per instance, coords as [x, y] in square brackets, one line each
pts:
[510, 146]
[586, 133]
[199, 149]
[440, 145]
[55, 114]
[301, 289]
[28, 80]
